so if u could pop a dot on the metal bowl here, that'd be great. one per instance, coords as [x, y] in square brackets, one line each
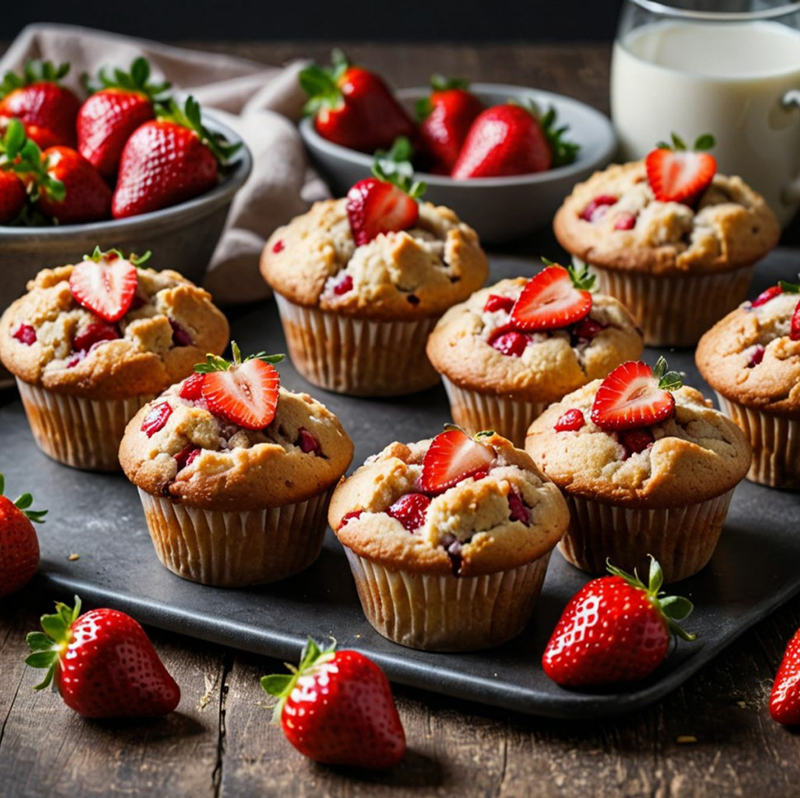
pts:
[182, 237]
[499, 208]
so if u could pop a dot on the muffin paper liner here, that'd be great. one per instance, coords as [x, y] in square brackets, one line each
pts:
[229, 549]
[358, 356]
[682, 539]
[82, 433]
[447, 613]
[676, 311]
[479, 411]
[775, 441]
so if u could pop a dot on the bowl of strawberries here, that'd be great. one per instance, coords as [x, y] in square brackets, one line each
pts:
[502, 157]
[126, 167]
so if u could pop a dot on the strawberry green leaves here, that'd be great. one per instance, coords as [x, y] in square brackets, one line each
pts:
[218, 363]
[47, 645]
[24, 503]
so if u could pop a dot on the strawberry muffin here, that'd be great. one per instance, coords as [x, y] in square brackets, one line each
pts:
[647, 466]
[361, 282]
[235, 472]
[448, 539]
[89, 344]
[752, 360]
[514, 348]
[670, 238]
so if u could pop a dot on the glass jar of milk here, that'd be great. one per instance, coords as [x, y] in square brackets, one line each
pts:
[730, 68]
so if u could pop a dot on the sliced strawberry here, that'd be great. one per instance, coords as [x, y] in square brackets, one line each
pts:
[635, 396]
[794, 333]
[518, 510]
[756, 356]
[105, 286]
[766, 296]
[509, 342]
[192, 388]
[570, 421]
[246, 393]
[598, 207]
[550, 300]
[308, 443]
[375, 206]
[156, 419]
[343, 286]
[680, 175]
[25, 334]
[410, 510]
[636, 440]
[495, 302]
[625, 221]
[586, 329]
[453, 456]
[93, 334]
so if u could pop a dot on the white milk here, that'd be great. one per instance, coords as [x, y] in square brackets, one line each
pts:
[727, 79]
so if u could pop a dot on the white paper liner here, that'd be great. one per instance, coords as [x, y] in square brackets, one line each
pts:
[447, 613]
[230, 549]
[479, 411]
[682, 539]
[82, 433]
[775, 441]
[676, 311]
[358, 356]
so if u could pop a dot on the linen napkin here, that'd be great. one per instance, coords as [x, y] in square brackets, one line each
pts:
[259, 102]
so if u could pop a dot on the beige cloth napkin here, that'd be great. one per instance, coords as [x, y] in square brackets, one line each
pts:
[259, 102]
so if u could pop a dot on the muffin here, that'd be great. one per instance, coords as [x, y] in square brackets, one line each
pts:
[752, 360]
[235, 473]
[448, 539]
[90, 344]
[647, 468]
[357, 310]
[678, 266]
[504, 356]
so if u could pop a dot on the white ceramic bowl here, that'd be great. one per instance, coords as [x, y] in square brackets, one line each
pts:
[499, 208]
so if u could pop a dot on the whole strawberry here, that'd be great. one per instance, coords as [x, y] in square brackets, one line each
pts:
[102, 663]
[107, 119]
[513, 140]
[76, 194]
[167, 161]
[47, 109]
[445, 117]
[615, 630]
[353, 107]
[337, 708]
[19, 546]
[784, 702]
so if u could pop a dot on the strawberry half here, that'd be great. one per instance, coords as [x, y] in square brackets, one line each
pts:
[105, 283]
[554, 298]
[635, 396]
[680, 175]
[452, 457]
[245, 391]
[387, 202]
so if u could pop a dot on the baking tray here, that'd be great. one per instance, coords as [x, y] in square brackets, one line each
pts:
[99, 518]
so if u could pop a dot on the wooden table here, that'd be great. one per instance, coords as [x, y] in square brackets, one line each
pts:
[714, 736]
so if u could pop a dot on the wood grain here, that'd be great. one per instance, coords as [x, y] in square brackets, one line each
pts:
[221, 742]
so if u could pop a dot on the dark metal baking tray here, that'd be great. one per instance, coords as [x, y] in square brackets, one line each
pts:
[99, 518]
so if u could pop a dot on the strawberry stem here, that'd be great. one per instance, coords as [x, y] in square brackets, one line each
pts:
[395, 167]
[35, 71]
[582, 278]
[135, 260]
[48, 646]
[218, 363]
[21, 155]
[671, 608]
[667, 380]
[23, 503]
[789, 288]
[190, 116]
[135, 80]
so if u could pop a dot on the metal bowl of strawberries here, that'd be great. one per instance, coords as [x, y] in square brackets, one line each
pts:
[126, 168]
[502, 157]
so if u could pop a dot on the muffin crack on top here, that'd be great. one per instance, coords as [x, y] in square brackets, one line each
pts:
[414, 273]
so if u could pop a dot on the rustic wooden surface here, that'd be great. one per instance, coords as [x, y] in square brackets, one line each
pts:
[711, 737]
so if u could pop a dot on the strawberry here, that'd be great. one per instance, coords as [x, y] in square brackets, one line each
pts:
[103, 664]
[19, 546]
[512, 140]
[794, 332]
[192, 387]
[12, 196]
[784, 701]
[156, 418]
[47, 109]
[554, 298]
[353, 107]
[453, 456]
[95, 333]
[766, 296]
[615, 629]
[387, 202]
[410, 510]
[680, 175]
[445, 117]
[245, 391]
[633, 396]
[509, 342]
[570, 421]
[496, 302]
[77, 193]
[337, 708]
[108, 118]
[105, 283]
[167, 161]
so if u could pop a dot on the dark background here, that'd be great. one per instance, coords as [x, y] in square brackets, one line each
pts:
[287, 20]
